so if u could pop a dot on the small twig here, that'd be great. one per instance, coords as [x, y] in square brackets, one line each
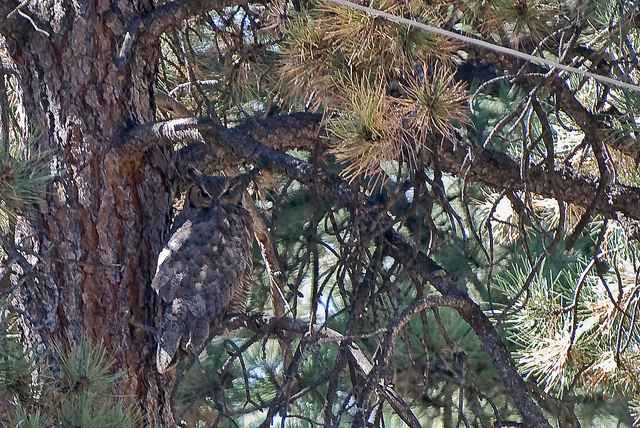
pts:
[31, 20]
[127, 46]
[605, 180]
[245, 376]
[463, 376]
[17, 9]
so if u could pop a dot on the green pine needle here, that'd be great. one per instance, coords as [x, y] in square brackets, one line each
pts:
[23, 175]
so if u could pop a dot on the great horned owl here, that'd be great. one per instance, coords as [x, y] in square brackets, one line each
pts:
[204, 270]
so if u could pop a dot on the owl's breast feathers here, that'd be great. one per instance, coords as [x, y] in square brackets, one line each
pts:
[204, 272]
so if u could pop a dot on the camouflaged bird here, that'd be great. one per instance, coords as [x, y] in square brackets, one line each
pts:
[204, 270]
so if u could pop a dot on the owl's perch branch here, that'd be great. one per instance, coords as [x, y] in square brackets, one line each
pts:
[226, 143]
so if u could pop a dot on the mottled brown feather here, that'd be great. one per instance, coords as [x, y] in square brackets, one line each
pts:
[204, 270]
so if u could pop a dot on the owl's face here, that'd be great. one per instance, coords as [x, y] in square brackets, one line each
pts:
[207, 191]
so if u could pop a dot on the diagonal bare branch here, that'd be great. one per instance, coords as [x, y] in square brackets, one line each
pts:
[479, 322]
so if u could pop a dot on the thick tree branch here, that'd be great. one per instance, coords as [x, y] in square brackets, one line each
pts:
[221, 147]
[294, 131]
[492, 168]
[500, 171]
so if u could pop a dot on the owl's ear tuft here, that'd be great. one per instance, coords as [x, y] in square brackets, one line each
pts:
[248, 176]
[194, 175]
[240, 182]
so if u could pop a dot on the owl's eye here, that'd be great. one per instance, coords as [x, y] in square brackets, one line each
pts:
[202, 193]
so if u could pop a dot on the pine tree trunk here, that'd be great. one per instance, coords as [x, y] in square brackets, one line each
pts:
[102, 224]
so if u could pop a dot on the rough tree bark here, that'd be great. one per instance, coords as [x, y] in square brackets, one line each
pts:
[102, 224]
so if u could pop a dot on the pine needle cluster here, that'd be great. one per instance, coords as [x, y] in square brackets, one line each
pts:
[573, 333]
[521, 19]
[384, 87]
[76, 390]
[23, 173]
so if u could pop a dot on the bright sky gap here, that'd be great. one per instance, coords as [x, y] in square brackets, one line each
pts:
[487, 45]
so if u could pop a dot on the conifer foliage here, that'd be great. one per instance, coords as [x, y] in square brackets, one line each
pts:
[446, 233]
